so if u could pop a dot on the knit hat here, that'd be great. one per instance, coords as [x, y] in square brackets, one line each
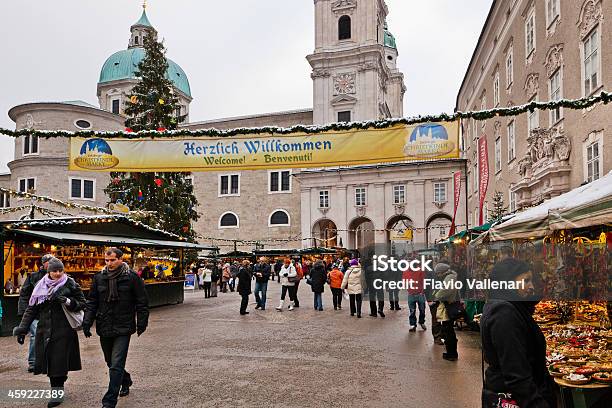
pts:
[441, 268]
[55, 265]
[46, 258]
[508, 269]
[354, 262]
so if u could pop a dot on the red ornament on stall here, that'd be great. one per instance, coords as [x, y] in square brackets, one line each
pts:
[161, 129]
[140, 196]
[159, 182]
[116, 180]
[185, 228]
[129, 130]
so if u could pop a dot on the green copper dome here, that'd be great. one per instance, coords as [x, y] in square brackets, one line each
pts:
[389, 38]
[124, 64]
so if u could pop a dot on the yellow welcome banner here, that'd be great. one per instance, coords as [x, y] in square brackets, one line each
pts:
[267, 151]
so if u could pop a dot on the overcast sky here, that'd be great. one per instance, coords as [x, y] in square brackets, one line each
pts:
[241, 56]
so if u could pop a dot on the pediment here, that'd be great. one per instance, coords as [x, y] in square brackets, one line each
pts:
[343, 100]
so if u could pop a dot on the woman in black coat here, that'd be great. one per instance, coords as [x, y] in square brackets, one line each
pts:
[244, 285]
[318, 277]
[513, 344]
[56, 343]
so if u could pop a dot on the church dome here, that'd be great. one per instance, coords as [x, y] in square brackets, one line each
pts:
[124, 65]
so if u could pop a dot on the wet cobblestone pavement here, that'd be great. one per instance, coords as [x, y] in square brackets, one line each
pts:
[204, 354]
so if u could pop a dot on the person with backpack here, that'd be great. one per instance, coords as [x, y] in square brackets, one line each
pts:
[334, 278]
[448, 298]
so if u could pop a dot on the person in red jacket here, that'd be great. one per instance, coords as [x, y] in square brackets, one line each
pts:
[416, 296]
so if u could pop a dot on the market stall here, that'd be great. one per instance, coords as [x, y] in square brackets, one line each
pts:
[80, 243]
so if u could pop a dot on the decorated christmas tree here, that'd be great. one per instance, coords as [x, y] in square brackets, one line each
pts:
[499, 210]
[167, 197]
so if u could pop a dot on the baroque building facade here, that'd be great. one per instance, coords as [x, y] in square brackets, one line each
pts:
[538, 50]
[355, 77]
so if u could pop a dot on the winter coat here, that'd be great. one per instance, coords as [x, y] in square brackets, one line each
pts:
[119, 318]
[264, 269]
[446, 295]
[335, 278]
[318, 277]
[299, 271]
[515, 349]
[291, 273]
[353, 280]
[207, 275]
[27, 289]
[56, 343]
[244, 281]
[226, 274]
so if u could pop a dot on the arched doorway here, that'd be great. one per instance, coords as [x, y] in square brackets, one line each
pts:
[400, 235]
[361, 233]
[326, 231]
[437, 228]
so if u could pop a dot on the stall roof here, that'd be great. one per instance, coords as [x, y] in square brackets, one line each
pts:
[582, 207]
[110, 240]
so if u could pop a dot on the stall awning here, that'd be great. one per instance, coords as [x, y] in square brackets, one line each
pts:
[110, 240]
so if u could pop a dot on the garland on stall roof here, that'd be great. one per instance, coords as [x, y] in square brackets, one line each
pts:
[582, 103]
[13, 209]
[25, 224]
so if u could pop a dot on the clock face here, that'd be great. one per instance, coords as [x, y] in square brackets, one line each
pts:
[344, 84]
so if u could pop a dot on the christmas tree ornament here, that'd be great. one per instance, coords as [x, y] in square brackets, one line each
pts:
[116, 180]
[159, 182]
[161, 129]
[140, 196]
[129, 130]
[185, 228]
[134, 99]
[161, 101]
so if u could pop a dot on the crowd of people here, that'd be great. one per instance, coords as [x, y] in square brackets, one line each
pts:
[53, 307]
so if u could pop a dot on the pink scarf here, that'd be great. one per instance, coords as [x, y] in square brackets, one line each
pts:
[45, 288]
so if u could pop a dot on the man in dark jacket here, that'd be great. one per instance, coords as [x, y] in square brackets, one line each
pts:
[244, 286]
[118, 304]
[261, 271]
[24, 298]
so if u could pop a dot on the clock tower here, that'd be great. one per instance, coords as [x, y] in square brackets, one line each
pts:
[354, 72]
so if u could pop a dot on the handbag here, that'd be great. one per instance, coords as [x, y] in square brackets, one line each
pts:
[292, 279]
[75, 319]
[454, 310]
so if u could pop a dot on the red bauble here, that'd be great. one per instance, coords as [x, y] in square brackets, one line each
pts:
[116, 180]
[159, 182]
[129, 130]
[161, 129]
[186, 228]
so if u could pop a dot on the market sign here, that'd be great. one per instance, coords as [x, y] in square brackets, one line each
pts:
[405, 235]
[267, 150]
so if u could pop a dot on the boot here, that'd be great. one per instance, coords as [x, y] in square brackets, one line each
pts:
[392, 305]
[280, 306]
[381, 306]
[373, 308]
[397, 306]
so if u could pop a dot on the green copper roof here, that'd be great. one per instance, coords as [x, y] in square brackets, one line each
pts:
[144, 21]
[390, 40]
[124, 64]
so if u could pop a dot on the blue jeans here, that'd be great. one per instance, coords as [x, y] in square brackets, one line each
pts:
[31, 350]
[413, 300]
[318, 300]
[115, 354]
[263, 288]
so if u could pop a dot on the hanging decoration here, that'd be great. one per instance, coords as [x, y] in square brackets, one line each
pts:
[158, 182]
[140, 196]
[576, 104]
[134, 99]
[161, 101]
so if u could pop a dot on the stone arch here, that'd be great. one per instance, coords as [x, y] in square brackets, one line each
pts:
[325, 229]
[432, 234]
[399, 245]
[361, 233]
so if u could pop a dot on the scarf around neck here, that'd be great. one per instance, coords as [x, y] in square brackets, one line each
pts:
[45, 288]
[112, 276]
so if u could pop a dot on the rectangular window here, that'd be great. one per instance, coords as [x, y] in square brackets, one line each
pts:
[229, 185]
[360, 196]
[511, 142]
[591, 62]
[5, 201]
[115, 106]
[556, 93]
[344, 116]
[82, 189]
[593, 160]
[324, 199]
[552, 11]
[27, 185]
[509, 69]
[498, 154]
[399, 194]
[530, 34]
[496, 90]
[512, 199]
[533, 118]
[280, 181]
[30, 144]
[439, 192]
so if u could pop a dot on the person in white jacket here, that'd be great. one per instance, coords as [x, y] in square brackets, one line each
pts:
[353, 283]
[288, 275]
